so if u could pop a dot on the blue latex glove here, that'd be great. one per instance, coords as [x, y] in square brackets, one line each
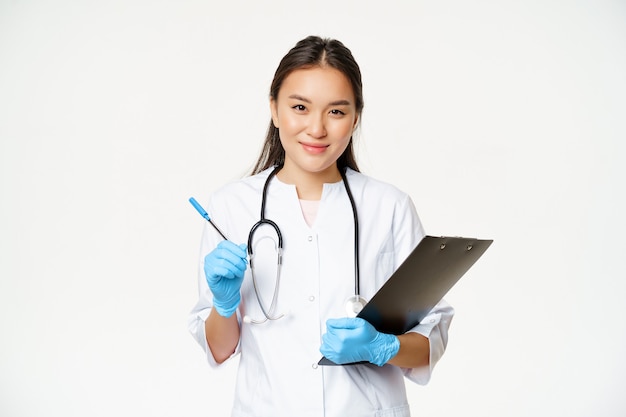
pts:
[224, 269]
[350, 340]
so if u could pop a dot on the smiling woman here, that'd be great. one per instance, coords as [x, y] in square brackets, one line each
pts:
[499, 118]
[322, 202]
[316, 116]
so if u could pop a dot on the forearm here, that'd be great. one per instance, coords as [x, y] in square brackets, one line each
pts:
[414, 351]
[222, 335]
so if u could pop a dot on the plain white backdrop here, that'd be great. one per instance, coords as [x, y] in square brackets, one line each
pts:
[502, 119]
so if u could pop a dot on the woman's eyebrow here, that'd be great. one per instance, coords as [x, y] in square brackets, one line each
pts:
[340, 103]
[299, 97]
[332, 103]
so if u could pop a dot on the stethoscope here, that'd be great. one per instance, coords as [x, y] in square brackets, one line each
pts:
[354, 304]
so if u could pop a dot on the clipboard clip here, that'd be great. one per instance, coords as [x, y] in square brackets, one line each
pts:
[443, 246]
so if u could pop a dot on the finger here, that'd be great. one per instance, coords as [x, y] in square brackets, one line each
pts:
[326, 351]
[327, 339]
[225, 257]
[217, 264]
[226, 272]
[344, 323]
[237, 250]
[328, 346]
[231, 261]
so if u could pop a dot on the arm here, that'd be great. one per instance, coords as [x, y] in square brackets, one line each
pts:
[422, 346]
[222, 335]
[224, 269]
[350, 340]
[414, 351]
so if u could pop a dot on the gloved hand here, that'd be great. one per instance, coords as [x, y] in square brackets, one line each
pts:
[224, 269]
[350, 340]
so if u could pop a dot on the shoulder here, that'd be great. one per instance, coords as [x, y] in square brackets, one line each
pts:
[235, 195]
[246, 185]
[370, 186]
[380, 199]
[388, 214]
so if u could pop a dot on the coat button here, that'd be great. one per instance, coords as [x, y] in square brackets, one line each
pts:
[310, 238]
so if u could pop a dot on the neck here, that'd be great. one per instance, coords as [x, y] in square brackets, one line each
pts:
[309, 185]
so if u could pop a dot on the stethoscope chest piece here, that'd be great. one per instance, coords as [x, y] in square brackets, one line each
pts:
[354, 305]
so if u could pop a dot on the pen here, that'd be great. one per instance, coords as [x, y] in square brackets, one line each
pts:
[204, 214]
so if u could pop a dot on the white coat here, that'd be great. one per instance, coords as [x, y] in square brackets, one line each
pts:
[278, 373]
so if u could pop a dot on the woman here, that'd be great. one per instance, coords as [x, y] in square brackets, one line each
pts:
[280, 330]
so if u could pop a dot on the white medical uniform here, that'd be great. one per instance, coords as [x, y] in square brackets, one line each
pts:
[278, 373]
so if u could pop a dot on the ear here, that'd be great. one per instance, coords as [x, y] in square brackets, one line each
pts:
[356, 122]
[274, 111]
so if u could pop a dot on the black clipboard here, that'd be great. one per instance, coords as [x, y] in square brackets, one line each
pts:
[420, 282]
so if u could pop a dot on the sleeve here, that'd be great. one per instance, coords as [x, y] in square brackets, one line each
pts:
[200, 312]
[409, 232]
[434, 327]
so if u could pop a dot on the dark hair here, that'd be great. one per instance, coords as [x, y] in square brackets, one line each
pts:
[310, 52]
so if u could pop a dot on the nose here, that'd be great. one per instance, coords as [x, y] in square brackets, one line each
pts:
[317, 126]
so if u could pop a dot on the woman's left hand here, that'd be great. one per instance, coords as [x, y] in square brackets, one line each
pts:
[350, 340]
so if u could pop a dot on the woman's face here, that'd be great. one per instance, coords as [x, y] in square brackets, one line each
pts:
[315, 114]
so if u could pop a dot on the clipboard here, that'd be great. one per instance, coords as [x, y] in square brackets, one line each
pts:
[420, 282]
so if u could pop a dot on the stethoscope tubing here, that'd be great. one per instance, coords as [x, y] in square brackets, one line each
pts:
[357, 274]
[269, 314]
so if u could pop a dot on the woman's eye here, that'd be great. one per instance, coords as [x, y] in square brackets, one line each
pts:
[299, 107]
[337, 112]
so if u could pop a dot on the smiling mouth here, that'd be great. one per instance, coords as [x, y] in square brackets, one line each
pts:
[315, 149]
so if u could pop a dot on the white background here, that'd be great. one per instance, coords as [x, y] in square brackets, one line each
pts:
[502, 119]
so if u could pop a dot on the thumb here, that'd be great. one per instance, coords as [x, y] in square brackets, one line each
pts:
[343, 323]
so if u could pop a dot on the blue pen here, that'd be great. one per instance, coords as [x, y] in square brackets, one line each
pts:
[204, 214]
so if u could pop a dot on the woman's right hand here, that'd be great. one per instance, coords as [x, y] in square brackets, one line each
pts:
[224, 270]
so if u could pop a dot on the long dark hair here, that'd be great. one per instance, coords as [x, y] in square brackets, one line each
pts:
[310, 52]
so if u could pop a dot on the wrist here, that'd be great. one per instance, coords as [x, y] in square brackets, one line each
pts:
[387, 348]
[226, 308]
